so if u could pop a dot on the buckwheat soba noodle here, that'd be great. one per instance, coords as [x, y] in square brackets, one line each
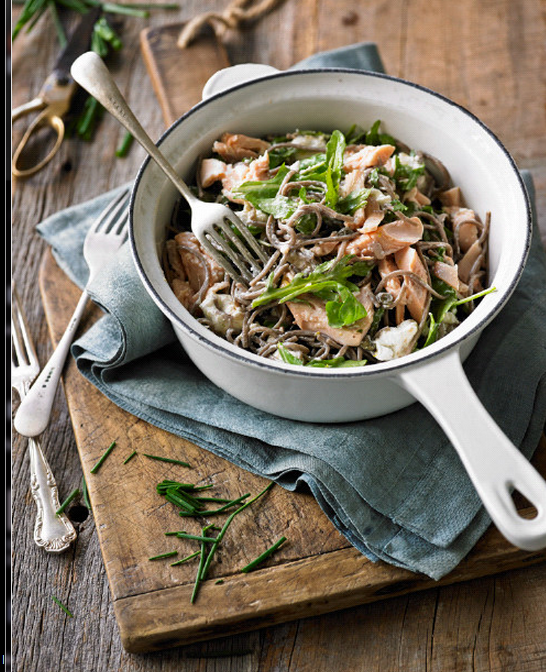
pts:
[372, 251]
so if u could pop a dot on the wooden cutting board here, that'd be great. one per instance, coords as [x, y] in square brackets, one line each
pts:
[315, 571]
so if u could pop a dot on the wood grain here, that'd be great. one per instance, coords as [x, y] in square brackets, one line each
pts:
[167, 66]
[487, 54]
[152, 600]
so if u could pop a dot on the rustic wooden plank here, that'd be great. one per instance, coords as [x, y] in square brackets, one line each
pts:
[178, 75]
[151, 600]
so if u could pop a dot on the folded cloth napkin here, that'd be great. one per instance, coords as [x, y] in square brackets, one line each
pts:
[393, 485]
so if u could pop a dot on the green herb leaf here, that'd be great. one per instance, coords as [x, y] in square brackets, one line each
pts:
[353, 201]
[329, 281]
[374, 137]
[334, 164]
[130, 457]
[405, 176]
[336, 363]
[287, 356]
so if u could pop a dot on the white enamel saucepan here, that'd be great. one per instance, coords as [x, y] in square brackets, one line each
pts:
[257, 100]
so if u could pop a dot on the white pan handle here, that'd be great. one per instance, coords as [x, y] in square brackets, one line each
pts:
[493, 463]
[227, 78]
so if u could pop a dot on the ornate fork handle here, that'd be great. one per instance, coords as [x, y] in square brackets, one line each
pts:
[52, 532]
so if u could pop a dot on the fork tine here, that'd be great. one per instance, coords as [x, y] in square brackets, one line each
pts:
[224, 246]
[23, 344]
[221, 259]
[249, 238]
[110, 213]
[120, 229]
[228, 232]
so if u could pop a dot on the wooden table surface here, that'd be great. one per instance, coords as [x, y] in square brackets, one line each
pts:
[488, 55]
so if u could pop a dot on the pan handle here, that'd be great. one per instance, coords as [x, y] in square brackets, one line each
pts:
[227, 78]
[495, 466]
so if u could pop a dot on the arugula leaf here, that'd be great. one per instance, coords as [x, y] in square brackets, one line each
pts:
[336, 362]
[330, 282]
[344, 310]
[281, 207]
[441, 307]
[350, 203]
[374, 137]
[255, 190]
[287, 356]
[334, 163]
[405, 176]
[278, 156]
[355, 134]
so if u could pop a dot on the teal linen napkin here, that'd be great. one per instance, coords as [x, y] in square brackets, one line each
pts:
[393, 485]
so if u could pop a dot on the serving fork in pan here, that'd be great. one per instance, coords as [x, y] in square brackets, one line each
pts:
[52, 532]
[221, 233]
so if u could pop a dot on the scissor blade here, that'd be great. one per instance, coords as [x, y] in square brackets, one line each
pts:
[78, 43]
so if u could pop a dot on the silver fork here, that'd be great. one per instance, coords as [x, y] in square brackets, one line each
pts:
[215, 225]
[52, 532]
[103, 240]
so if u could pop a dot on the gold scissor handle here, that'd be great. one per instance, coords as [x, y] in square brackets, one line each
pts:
[47, 117]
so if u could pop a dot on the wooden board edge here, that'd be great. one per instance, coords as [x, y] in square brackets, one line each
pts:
[353, 580]
[146, 38]
[248, 603]
[156, 41]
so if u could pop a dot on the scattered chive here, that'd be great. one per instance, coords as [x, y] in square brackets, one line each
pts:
[170, 554]
[183, 560]
[167, 459]
[185, 535]
[222, 532]
[130, 457]
[61, 35]
[104, 456]
[85, 493]
[252, 565]
[231, 503]
[220, 581]
[67, 501]
[122, 150]
[60, 604]
[199, 574]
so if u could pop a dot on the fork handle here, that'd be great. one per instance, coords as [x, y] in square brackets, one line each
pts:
[90, 72]
[52, 532]
[33, 414]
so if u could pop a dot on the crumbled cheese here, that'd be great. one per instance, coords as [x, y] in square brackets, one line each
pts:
[393, 342]
[222, 312]
[310, 142]
[413, 161]
[250, 214]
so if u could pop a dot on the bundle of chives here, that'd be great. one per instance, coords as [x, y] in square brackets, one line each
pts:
[183, 496]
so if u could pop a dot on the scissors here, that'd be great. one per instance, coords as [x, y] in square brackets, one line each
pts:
[55, 97]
